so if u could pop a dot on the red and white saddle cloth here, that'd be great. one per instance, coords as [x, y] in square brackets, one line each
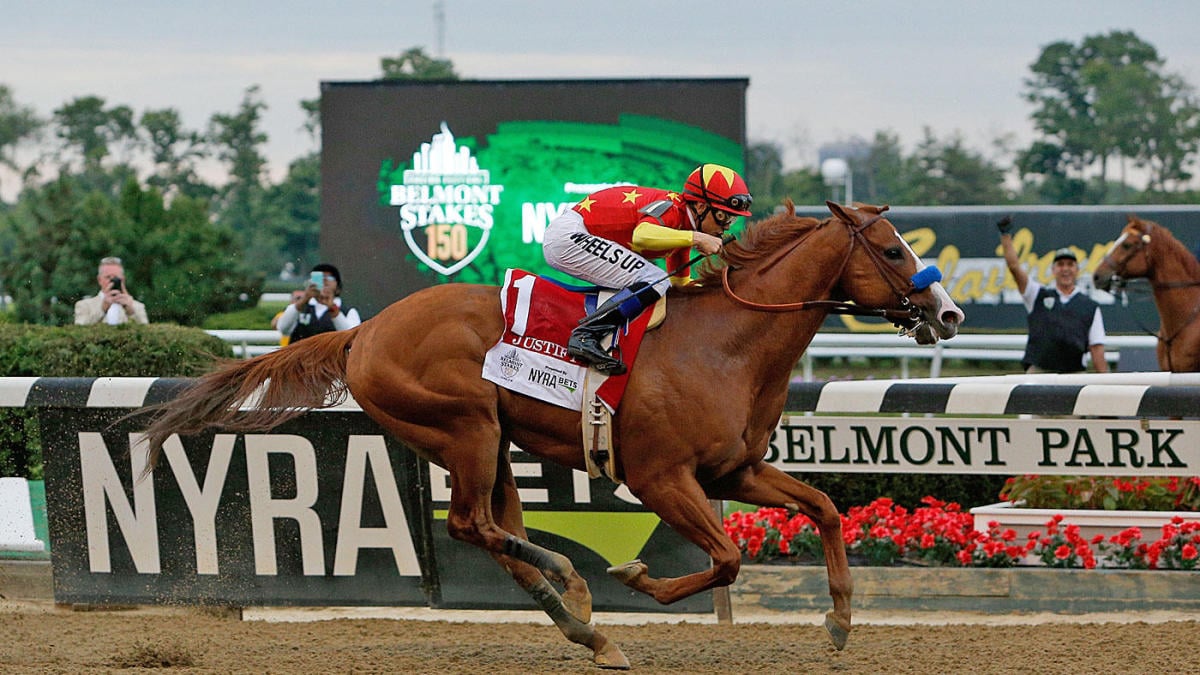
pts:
[531, 356]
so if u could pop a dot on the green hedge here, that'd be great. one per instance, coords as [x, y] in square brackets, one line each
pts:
[906, 489]
[156, 350]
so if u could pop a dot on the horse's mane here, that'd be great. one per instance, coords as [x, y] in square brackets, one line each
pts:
[759, 239]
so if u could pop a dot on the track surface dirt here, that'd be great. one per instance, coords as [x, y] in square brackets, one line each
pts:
[49, 639]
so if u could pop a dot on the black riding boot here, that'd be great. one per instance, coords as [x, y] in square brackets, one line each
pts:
[625, 304]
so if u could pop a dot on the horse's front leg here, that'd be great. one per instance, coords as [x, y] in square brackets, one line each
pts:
[681, 503]
[764, 485]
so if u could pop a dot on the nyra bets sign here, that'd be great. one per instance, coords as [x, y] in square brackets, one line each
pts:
[447, 204]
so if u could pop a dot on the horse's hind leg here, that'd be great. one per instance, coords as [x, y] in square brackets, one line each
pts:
[765, 485]
[506, 507]
[470, 519]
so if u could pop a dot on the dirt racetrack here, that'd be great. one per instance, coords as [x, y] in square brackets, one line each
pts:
[44, 638]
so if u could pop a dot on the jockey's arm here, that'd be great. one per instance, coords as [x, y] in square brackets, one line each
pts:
[649, 236]
[654, 237]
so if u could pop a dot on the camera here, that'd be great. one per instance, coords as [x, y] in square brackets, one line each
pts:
[317, 279]
[114, 283]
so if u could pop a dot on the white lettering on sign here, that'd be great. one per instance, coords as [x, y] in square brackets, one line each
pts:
[536, 216]
[137, 519]
[352, 536]
[265, 509]
[201, 502]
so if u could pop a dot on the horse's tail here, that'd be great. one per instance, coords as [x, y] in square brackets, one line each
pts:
[273, 388]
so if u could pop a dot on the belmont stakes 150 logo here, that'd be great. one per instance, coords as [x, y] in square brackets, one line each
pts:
[447, 199]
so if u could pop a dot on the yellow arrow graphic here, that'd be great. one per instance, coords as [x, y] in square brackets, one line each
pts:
[617, 537]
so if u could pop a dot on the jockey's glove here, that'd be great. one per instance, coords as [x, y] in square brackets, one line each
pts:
[1005, 225]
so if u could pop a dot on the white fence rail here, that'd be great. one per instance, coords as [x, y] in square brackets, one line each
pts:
[248, 343]
[965, 347]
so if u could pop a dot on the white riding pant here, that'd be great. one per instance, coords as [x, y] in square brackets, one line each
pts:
[570, 248]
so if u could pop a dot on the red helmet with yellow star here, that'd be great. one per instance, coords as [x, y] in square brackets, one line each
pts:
[719, 186]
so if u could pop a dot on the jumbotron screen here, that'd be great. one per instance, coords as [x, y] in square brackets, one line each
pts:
[433, 182]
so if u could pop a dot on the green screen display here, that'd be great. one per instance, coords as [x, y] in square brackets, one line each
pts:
[430, 183]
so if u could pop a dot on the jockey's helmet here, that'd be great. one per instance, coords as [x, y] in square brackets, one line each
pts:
[720, 187]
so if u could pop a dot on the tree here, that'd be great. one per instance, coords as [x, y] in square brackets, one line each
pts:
[174, 152]
[176, 261]
[947, 173]
[18, 123]
[237, 141]
[292, 213]
[60, 236]
[1108, 99]
[415, 64]
[187, 267]
[91, 130]
[883, 172]
[771, 184]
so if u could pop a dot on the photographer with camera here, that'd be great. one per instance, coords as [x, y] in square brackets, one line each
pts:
[113, 305]
[320, 309]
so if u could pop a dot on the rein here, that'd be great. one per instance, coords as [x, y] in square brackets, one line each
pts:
[907, 318]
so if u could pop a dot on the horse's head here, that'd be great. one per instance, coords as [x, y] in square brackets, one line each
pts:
[1128, 257]
[882, 270]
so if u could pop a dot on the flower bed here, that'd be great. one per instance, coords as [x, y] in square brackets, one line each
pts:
[1109, 493]
[940, 533]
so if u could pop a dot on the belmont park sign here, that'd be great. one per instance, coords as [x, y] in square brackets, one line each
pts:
[986, 446]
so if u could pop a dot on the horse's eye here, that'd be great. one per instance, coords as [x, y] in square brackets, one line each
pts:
[893, 253]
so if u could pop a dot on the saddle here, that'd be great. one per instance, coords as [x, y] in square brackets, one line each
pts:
[531, 356]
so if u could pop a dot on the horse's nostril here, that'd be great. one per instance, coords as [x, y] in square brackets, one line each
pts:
[951, 318]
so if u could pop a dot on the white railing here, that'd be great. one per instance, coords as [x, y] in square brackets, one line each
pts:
[248, 343]
[966, 347]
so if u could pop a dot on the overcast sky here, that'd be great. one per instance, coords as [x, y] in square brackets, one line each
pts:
[819, 71]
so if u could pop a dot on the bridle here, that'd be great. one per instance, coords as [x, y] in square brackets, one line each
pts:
[908, 319]
[1119, 283]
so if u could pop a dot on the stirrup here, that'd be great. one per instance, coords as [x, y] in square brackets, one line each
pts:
[589, 352]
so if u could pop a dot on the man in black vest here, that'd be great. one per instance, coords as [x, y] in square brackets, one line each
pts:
[320, 309]
[1064, 324]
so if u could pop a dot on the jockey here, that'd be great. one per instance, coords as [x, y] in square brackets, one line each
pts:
[610, 236]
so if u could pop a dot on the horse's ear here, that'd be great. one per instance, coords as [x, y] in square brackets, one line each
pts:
[790, 206]
[839, 211]
[1131, 219]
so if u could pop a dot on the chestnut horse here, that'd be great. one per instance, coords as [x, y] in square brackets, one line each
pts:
[701, 404]
[1148, 250]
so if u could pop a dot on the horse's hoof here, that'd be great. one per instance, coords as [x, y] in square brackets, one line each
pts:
[629, 571]
[839, 630]
[609, 656]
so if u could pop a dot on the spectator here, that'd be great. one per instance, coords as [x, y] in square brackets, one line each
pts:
[1064, 324]
[320, 309]
[284, 338]
[113, 305]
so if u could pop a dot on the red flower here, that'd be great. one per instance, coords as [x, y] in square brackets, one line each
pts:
[1062, 552]
[1189, 552]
